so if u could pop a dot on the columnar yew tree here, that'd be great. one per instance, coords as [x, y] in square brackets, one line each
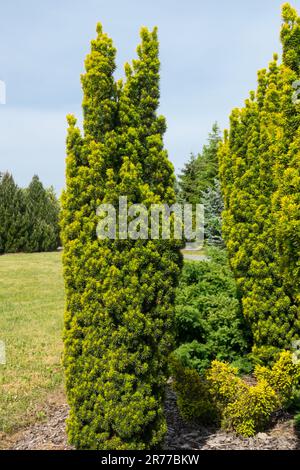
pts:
[259, 170]
[120, 293]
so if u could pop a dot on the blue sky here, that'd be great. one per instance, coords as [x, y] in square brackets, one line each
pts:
[210, 53]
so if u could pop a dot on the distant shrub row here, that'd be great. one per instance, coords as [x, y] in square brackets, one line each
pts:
[29, 218]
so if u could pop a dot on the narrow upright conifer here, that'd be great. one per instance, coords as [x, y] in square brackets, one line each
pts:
[259, 171]
[120, 292]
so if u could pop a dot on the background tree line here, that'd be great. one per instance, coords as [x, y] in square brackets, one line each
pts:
[29, 217]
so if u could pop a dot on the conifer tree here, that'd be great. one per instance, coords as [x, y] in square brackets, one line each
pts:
[120, 293]
[200, 172]
[13, 227]
[257, 161]
[286, 198]
[212, 201]
[209, 164]
[42, 215]
[52, 215]
[188, 189]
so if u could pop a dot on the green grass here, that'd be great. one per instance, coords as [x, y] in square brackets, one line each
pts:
[31, 320]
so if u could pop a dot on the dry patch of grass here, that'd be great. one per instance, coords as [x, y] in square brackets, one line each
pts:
[31, 320]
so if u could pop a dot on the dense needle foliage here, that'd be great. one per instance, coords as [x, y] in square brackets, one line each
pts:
[260, 176]
[29, 218]
[120, 293]
[208, 319]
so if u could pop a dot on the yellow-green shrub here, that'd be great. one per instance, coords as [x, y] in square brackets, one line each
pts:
[251, 410]
[247, 408]
[224, 383]
[239, 406]
[194, 398]
[283, 377]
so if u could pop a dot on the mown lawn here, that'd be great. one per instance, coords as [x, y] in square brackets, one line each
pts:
[200, 252]
[31, 318]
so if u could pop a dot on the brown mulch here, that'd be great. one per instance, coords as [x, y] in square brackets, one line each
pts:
[281, 434]
[51, 435]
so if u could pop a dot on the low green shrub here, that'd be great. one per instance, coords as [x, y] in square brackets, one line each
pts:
[194, 356]
[209, 322]
[243, 364]
[264, 355]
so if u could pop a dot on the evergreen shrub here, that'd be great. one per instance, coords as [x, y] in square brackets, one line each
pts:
[120, 292]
